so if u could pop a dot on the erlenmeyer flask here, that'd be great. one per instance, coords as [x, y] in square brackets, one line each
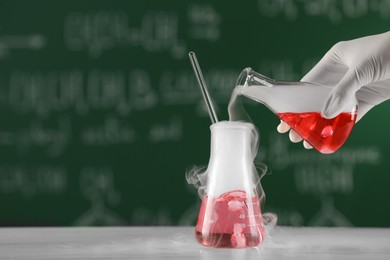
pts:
[230, 214]
[299, 104]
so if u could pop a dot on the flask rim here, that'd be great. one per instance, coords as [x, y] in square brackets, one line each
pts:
[248, 75]
[232, 125]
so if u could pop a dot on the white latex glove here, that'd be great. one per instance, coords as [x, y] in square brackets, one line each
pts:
[358, 67]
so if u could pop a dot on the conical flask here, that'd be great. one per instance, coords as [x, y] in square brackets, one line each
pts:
[299, 104]
[230, 214]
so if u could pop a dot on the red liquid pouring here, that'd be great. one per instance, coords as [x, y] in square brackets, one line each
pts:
[230, 221]
[325, 135]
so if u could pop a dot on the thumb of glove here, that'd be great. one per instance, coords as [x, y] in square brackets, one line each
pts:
[342, 97]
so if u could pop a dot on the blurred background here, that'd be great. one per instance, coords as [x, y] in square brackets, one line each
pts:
[101, 114]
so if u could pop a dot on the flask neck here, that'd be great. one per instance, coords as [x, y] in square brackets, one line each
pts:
[233, 148]
[286, 96]
[231, 143]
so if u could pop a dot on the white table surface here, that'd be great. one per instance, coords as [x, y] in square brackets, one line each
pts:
[179, 243]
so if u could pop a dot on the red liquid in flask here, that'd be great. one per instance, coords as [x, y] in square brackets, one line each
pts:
[325, 135]
[230, 221]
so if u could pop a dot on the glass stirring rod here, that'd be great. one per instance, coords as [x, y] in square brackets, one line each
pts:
[203, 87]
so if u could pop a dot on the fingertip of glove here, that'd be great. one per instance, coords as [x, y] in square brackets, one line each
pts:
[307, 145]
[294, 137]
[283, 127]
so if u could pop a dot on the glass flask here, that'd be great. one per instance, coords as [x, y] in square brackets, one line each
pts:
[230, 214]
[298, 104]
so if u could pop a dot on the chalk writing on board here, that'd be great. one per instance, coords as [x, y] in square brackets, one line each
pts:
[9, 43]
[323, 178]
[110, 131]
[97, 185]
[49, 92]
[31, 180]
[204, 22]
[51, 138]
[328, 215]
[169, 130]
[317, 174]
[333, 10]
[180, 87]
[153, 32]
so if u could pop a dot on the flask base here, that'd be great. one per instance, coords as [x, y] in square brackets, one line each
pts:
[224, 240]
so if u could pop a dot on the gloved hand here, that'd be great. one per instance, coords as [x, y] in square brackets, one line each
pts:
[358, 67]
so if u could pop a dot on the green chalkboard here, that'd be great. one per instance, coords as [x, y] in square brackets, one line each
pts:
[101, 113]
